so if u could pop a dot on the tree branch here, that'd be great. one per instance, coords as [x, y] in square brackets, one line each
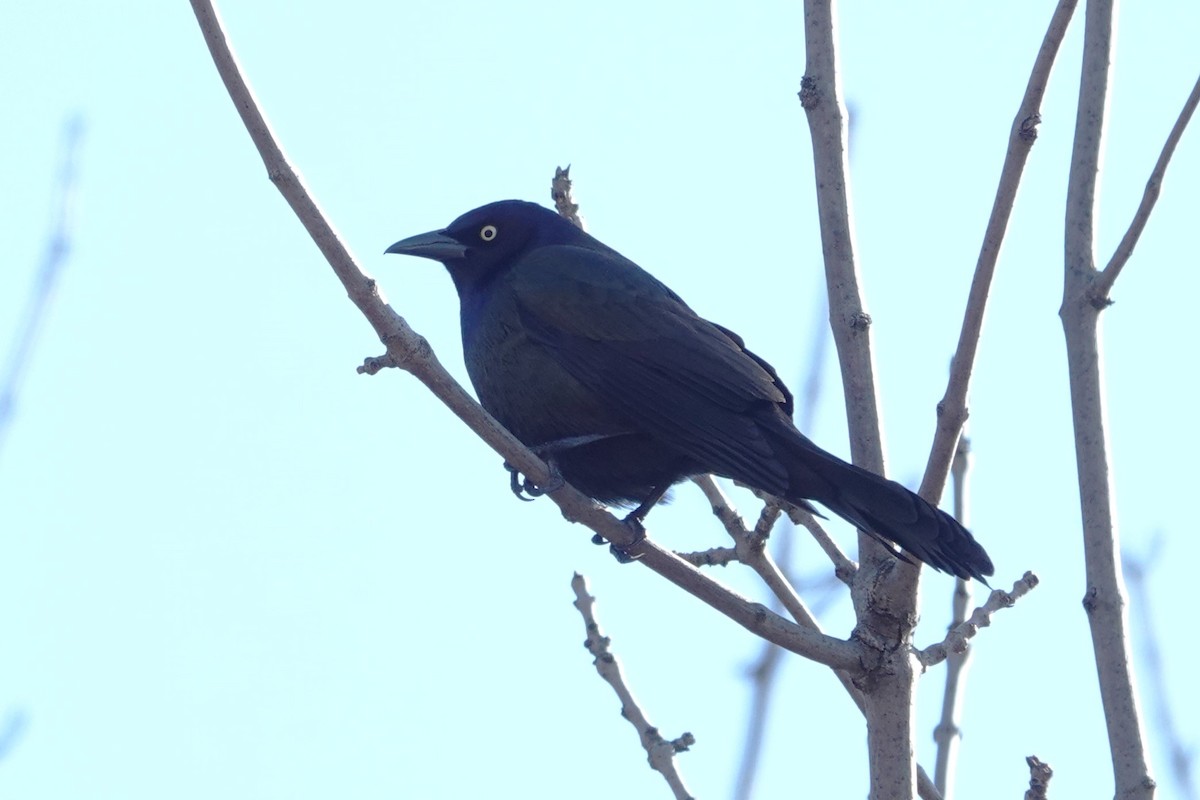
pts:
[564, 199]
[1104, 598]
[884, 591]
[411, 352]
[1039, 778]
[659, 751]
[1104, 283]
[958, 637]
[952, 409]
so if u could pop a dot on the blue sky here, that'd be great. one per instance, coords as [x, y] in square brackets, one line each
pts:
[231, 566]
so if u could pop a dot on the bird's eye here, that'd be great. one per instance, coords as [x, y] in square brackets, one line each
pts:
[488, 233]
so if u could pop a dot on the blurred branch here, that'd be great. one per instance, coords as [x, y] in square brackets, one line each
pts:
[1137, 570]
[1103, 284]
[11, 731]
[764, 676]
[948, 733]
[952, 409]
[766, 669]
[659, 752]
[54, 261]
[1104, 597]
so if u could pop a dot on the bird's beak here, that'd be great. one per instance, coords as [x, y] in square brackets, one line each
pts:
[435, 244]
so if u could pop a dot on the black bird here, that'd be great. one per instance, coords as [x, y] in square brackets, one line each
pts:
[614, 380]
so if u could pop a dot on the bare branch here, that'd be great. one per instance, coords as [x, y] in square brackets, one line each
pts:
[1104, 596]
[712, 557]
[766, 523]
[759, 559]
[884, 593]
[843, 566]
[41, 294]
[564, 200]
[952, 409]
[958, 637]
[821, 96]
[1039, 778]
[735, 526]
[411, 352]
[751, 551]
[659, 751]
[1104, 283]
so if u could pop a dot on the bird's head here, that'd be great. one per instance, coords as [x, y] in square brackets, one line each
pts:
[484, 242]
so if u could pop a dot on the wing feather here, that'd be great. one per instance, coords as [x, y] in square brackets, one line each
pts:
[643, 351]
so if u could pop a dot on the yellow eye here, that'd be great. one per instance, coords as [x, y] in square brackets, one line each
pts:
[488, 233]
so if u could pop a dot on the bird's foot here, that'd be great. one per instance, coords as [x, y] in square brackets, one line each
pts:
[526, 489]
[624, 554]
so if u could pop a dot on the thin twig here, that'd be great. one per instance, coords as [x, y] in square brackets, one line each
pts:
[843, 566]
[712, 557]
[952, 409]
[728, 516]
[660, 752]
[564, 200]
[1039, 778]
[752, 552]
[1104, 282]
[410, 351]
[958, 637]
[766, 523]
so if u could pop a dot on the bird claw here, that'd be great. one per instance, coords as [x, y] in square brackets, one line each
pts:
[522, 486]
[623, 554]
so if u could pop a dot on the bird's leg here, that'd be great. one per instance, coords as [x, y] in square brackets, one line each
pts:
[635, 521]
[517, 483]
[638, 515]
[623, 554]
[522, 486]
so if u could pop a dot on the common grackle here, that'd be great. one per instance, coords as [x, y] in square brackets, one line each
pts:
[615, 381]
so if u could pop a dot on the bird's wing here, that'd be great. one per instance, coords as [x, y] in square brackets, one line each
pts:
[642, 351]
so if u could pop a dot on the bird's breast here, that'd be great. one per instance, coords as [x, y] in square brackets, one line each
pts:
[522, 383]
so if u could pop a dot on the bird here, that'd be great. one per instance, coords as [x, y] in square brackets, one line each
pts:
[608, 375]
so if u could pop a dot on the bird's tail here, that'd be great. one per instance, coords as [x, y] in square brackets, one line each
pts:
[882, 508]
